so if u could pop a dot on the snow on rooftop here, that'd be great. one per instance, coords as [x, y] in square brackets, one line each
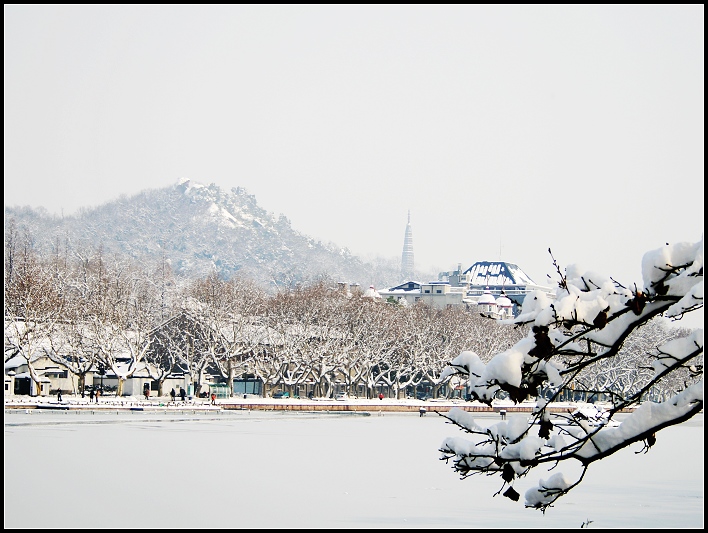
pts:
[497, 273]
[486, 298]
[503, 301]
[371, 292]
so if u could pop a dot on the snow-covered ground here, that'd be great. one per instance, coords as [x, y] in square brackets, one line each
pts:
[110, 401]
[275, 469]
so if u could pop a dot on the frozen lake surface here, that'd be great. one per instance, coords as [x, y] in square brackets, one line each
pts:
[274, 469]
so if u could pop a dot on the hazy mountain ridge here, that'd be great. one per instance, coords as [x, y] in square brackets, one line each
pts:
[201, 229]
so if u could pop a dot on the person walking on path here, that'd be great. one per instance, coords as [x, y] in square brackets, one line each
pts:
[98, 393]
[59, 395]
[173, 394]
[182, 394]
[91, 395]
[213, 398]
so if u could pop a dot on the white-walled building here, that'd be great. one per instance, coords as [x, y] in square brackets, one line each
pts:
[494, 288]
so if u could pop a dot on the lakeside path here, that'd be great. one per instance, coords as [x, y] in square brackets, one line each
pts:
[249, 402]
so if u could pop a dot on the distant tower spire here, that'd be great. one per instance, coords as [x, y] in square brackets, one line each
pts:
[407, 257]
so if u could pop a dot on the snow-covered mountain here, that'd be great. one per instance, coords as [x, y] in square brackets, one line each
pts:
[200, 229]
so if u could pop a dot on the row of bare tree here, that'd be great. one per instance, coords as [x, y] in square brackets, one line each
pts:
[84, 310]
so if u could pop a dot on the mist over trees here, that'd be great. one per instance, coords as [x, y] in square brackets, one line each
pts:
[201, 229]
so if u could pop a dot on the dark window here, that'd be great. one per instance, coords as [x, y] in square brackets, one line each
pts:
[247, 386]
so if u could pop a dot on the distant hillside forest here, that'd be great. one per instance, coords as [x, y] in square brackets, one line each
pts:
[199, 230]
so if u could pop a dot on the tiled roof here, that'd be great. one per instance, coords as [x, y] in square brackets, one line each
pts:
[498, 273]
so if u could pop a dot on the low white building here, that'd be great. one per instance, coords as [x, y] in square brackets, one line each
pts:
[49, 374]
[434, 293]
[494, 288]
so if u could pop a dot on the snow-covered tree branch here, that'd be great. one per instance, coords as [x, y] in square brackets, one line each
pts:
[573, 342]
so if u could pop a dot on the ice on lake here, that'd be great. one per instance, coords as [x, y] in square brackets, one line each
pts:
[273, 469]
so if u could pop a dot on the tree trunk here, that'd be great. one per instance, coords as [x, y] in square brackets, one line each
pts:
[231, 371]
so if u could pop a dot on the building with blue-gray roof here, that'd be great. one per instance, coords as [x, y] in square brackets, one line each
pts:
[494, 288]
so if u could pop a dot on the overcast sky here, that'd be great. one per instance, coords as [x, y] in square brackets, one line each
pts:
[505, 130]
